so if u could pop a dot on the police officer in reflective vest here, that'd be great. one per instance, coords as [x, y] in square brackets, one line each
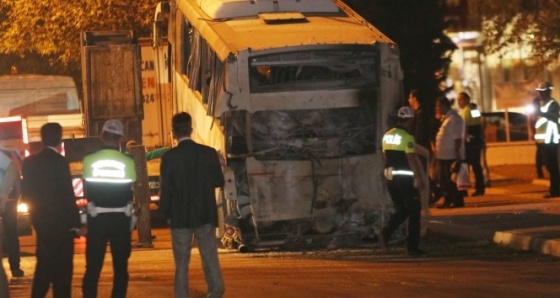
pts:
[403, 181]
[473, 140]
[546, 132]
[109, 176]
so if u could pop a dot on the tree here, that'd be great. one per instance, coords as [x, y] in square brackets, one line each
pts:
[45, 35]
[531, 23]
[40, 35]
[418, 29]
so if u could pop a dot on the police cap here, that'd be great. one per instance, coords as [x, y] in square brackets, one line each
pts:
[544, 86]
[405, 113]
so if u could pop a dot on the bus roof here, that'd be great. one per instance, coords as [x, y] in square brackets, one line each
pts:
[221, 9]
[234, 34]
[30, 82]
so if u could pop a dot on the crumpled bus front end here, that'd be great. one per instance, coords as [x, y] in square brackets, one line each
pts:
[314, 179]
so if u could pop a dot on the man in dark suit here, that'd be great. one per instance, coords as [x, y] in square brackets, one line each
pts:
[47, 189]
[190, 173]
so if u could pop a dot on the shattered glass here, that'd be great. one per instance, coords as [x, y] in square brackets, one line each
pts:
[313, 70]
[312, 134]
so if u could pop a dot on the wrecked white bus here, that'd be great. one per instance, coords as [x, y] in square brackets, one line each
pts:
[295, 95]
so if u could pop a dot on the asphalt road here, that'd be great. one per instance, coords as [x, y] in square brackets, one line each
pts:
[453, 268]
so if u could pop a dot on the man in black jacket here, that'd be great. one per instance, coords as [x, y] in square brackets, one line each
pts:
[47, 188]
[190, 173]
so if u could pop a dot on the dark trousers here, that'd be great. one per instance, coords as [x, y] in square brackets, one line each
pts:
[406, 200]
[55, 253]
[539, 159]
[113, 228]
[473, 150]
[9, 218]
[452, 196]
[551, 163]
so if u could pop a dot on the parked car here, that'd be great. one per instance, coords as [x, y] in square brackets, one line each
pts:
[506, 127]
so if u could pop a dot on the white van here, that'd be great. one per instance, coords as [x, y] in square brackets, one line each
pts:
[40, 99]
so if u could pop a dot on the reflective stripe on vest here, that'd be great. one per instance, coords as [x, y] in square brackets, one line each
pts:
[402, 173]
[109, 166]
[475, 113]
[546, 131]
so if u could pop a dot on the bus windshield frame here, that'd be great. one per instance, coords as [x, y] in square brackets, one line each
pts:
[313, 69]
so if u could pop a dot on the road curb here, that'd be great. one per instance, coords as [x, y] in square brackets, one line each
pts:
[516, 239]
[519, 240]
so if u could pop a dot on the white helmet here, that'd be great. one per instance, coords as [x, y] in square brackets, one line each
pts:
[405, 113]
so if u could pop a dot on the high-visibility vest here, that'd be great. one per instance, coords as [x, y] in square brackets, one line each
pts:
[473, 123]
[471, 116]
[109, 166]
[546, 131]
[396, 143]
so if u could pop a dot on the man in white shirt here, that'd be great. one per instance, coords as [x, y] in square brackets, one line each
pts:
[450, 151]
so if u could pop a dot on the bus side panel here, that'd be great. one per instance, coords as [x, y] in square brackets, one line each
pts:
[205, 130]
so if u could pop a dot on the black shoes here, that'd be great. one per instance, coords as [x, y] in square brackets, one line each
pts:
[415, 252]
[17, 273]
[384, 243]
[477, 194]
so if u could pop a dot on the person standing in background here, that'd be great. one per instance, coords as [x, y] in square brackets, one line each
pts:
[474, 140]
[547, 132]
[190, 174]
[422, 131]
[539, 158]
[450, 151]
[422, 122]
[47, 188]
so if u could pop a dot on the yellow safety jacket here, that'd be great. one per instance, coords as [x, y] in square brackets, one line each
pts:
[397, 142]
[546, 131]
[473, 123]
[471, 116]
[109, 176]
